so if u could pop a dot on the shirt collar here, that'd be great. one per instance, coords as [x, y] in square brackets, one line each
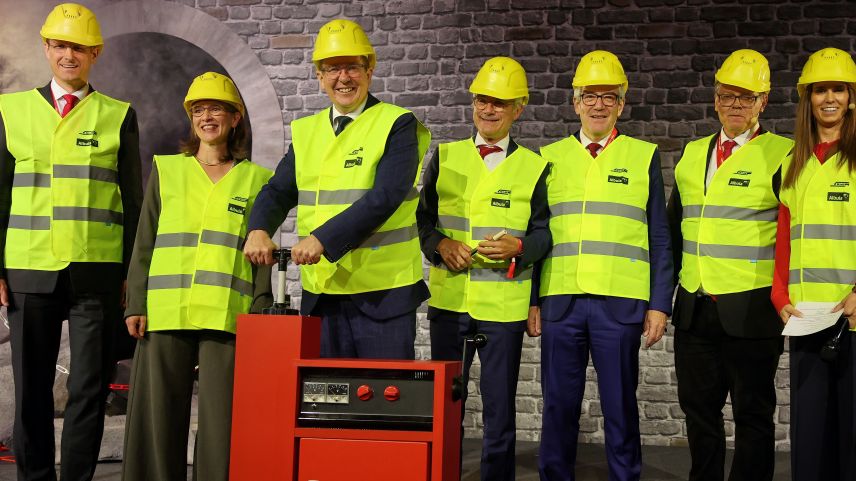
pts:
[353, 114]
[584, 140]
[741, 139]
[503, 142]
[58, 91]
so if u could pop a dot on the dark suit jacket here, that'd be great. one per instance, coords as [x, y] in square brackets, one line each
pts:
[747, 314]
[536, 243]
[96, 277]
[393, 180]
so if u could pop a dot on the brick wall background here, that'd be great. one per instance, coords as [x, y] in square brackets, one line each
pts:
[429, 51]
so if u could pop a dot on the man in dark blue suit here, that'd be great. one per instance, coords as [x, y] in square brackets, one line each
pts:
[608, 278]
[351, 171]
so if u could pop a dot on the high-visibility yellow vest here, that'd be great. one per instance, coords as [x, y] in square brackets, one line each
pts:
[823, 231]
[199, 278]
[729, 233]
[472, 203]
[66, 204]
[332, 173]
[598, 219]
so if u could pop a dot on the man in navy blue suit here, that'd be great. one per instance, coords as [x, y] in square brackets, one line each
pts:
[607, 280]
[351, 171]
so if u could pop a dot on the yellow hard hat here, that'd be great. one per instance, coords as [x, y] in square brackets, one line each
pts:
[746, 69]
[501, 78]
[213, 86]
[73, 23]
[342, 38]
[600, 67]
[827, 65]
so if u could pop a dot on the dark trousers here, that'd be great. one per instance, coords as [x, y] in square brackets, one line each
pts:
[36, 327]
[710, 365]
[500, 366]
[589, 328]
[346, 331]
[823, 421]
[156, 428]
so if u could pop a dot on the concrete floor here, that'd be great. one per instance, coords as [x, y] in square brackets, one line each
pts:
[659, 464]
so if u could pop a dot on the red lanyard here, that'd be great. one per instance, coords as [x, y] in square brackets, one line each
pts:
[612, 136]
[720, 150]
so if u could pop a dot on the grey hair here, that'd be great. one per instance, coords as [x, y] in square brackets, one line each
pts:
[578, 92]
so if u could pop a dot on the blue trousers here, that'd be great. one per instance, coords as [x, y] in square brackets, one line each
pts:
[346, 331]
[588, 328]
[500, 366]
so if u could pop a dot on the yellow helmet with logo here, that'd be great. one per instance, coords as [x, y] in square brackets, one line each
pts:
[501, 78]
[747, 69]
[600, 67]
[827, 65]
[73, 23]
[342, 38]
[213, 86]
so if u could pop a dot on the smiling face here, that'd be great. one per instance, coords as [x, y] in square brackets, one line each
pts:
[741, 115]
[829, 102]
[493, 117]
[346, 81]
[213, 121]
[598, 120]
[70, 62]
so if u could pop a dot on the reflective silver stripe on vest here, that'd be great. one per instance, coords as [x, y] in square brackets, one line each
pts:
[176, 239]
[402, 234]
[30, 179]
[172, 281]
[336, 197]
[566, 208]
[824, 231]
[29, 222]
[306, 197]
[723, 251]
[413, 193]
[600, 208]
[87, 214]
[222, 239]
[453, 222]
[479, 233]
[825, 276]
[614, 249]
[488, 274]
[85, 172]
[731, 213]
[210, 278]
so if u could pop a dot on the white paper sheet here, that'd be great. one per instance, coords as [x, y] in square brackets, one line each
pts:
[816, 317]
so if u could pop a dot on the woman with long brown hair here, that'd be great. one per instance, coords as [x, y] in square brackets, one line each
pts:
[816, 262]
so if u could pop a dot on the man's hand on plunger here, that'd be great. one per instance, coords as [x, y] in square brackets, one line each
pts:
[259, 248]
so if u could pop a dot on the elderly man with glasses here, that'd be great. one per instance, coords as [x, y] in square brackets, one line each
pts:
[723, 212]
[351, 170]
[607, 280]
[483, 221]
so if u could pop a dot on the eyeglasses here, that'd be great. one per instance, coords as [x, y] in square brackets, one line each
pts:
[214, 110]
[499, 105]
[353, 70]
[60, 47]
[608, 99]
[727, 100]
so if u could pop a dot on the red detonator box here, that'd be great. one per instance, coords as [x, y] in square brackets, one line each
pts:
[300, 418]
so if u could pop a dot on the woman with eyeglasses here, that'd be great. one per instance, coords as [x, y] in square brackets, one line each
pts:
[188, 281]
[816, 262]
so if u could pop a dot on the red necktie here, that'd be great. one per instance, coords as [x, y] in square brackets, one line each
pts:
[485, 150]
[70, 102]
[727, 149]
[593, 148]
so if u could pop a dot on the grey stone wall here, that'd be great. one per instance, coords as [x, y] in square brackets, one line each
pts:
[429, 51]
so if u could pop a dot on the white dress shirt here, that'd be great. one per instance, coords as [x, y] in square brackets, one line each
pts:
[496, 158]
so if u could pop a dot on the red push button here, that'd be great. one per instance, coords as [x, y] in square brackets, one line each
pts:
[391, 393]
[364, 392]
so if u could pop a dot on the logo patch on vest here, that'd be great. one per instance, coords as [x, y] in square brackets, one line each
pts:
[87, 143]
[618, 179]
[238, 209]
[738, 182]
[743, 172]
[239, 198]
[88, 132]
[619, 170]
[503, 192]
[354, 158]
[838, 197]
[841, 183]
[504, 203]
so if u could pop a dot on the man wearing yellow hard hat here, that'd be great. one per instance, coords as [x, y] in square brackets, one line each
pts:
[608, 278]
[483, 221]
[351, 171]
[70, 194]
[722, 213]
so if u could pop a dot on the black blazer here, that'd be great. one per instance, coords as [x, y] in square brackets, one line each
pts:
[85, 277]
[743, 314]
